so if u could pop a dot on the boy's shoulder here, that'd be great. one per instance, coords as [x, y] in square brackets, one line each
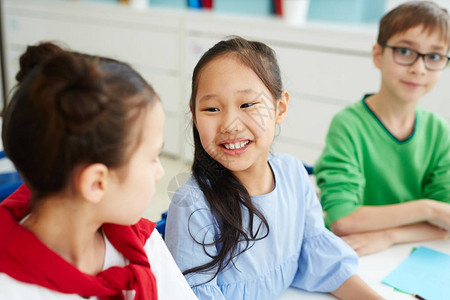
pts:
[431, 117]
[351, 117]
[354, 110]
[432, 122]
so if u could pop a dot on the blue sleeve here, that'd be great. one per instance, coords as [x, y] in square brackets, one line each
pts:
[189, 221]
[325, 261]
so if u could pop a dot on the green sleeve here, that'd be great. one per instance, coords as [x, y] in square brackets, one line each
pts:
[437, 181]
[338, 172]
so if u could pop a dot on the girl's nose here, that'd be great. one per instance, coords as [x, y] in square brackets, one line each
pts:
[231, 122]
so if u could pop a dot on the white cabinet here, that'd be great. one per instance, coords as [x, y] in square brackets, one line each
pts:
[147, 42]
[324, 66]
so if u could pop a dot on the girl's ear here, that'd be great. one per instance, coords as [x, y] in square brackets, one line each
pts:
[282, 107]
[92, 182]
[377, 53]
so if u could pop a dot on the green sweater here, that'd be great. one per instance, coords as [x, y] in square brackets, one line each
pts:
[363, 164]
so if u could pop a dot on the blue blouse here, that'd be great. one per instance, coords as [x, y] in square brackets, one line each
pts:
[299, 251]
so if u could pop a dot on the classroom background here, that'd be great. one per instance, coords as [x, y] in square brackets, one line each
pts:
[323, 47]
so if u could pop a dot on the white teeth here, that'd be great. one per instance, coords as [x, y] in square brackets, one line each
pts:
[237, 145]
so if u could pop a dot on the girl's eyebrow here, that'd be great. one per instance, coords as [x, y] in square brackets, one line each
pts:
[211, 96]
[207, 97]
[246, 91]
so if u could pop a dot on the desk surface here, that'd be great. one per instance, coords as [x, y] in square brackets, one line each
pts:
[373, 268]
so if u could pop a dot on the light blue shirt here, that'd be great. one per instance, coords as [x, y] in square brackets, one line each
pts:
[299, 251]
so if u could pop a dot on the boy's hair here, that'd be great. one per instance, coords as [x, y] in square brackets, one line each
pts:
[71, 110]
[228, 198]
[411, 14]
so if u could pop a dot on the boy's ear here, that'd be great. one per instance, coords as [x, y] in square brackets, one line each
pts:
[92, 182]
[377, 53]
[282, 107]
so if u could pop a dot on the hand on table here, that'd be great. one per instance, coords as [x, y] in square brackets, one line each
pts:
[368, 242]
[440, 215]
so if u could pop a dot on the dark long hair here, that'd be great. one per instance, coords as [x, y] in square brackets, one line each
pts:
[70, 110]
[226, 195]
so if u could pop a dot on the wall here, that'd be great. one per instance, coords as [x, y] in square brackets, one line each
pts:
[324, 66]
[390, 4]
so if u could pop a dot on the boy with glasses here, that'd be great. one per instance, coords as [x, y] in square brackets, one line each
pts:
[384, 174]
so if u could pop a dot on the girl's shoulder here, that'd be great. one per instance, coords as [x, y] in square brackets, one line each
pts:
[166, 271]
[282, 158]
[289, 173]
[188, 194]
[13, 289]
[286, 163]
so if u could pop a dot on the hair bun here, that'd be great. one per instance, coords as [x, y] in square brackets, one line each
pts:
[78, 94]
[33, 56]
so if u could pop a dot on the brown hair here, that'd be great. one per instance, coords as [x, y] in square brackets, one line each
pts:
[70, 110]
[33, 56]
[412, 14]
[226, 195]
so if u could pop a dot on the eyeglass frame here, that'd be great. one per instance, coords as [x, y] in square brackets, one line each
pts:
[421, 55]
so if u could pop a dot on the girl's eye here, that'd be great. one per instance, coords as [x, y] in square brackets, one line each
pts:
[404, 51]
[245, 105]
[211, 109]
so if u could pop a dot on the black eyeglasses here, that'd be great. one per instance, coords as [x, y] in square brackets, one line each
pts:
[407, 57]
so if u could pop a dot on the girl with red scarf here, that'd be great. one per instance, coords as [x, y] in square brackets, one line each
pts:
[85, 133]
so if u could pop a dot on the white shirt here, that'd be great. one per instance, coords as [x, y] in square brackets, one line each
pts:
[170, 282]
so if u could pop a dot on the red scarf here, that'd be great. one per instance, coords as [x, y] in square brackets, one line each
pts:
[24, 257]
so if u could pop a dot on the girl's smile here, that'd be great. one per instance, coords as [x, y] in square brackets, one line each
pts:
[235, 147]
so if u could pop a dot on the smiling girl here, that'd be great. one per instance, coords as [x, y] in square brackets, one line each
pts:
[247, 223]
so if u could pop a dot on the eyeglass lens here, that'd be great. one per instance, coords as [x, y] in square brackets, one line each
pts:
[433, 61]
